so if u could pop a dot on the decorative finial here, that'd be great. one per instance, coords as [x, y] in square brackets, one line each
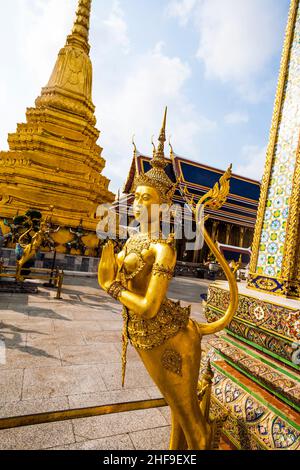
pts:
[159, 156]
[171, 149]
[162, 137]
[135, 154]
[153, 145]
[134, 146]
[216, 197]
[157, 177]
[80, 31]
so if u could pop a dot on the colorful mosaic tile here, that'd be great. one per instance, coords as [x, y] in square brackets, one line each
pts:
[251, 424]
[277, 208]
[267, 375]
[277, 319]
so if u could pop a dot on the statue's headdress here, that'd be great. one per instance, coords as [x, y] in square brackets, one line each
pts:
[157, 177]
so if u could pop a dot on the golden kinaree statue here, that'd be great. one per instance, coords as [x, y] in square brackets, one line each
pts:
[30, 249]
[167, 340]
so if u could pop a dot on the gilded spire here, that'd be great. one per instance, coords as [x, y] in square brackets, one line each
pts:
[70, 84]
[162, 137]
[157, 177]
[80, 31]
[158, 159]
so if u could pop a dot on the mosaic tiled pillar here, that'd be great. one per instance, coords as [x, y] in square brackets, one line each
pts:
[275, 262]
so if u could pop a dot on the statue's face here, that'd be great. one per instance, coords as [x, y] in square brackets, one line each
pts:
[145, 198]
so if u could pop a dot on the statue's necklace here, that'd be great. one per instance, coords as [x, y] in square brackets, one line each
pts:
[137, 244]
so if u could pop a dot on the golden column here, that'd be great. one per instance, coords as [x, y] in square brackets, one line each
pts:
[214, 230]
[54, 159]
[275, 262]
[228, 232]
[241, 236]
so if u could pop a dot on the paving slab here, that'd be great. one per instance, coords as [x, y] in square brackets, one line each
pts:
[60, 381]
[37, 437]
[53, 313]
[96, 314]
[11, 382]
[36, 327]
[31, 356]
[77, 326]
[58, 338]
[154, 439]
[24, 407]
[107, 398]
[117, 442]
[106, 336]
[112, 325]
[100, 353]
[110, 425]
[136, 375]
[12, 315]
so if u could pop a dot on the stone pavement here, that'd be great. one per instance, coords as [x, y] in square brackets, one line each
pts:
[67, 354]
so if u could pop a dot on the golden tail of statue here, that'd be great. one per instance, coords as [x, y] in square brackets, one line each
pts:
[214, 327]
[214, 199]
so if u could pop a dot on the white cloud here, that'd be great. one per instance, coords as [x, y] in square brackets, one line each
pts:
[136, 106]
[253, 159]
[181, 9]
[118, 26]
[236, 117]
[42, 27]
[237, 38]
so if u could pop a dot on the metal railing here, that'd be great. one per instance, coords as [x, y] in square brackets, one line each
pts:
[76, 413]
[56, 277]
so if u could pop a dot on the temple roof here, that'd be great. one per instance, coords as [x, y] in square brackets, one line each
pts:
[242, 202]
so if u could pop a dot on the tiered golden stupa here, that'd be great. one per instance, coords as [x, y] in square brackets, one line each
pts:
[54, 159]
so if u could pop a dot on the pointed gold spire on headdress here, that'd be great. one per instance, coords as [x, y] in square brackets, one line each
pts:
[159, 156]
[81, 27]
[157, 177]
[162, 136]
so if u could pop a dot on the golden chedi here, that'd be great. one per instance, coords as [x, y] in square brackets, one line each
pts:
[54, 159]
[167, 340]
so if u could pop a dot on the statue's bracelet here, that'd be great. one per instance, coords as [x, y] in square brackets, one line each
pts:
[115, 290]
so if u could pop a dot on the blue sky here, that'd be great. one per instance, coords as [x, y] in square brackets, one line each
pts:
[214, 63]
